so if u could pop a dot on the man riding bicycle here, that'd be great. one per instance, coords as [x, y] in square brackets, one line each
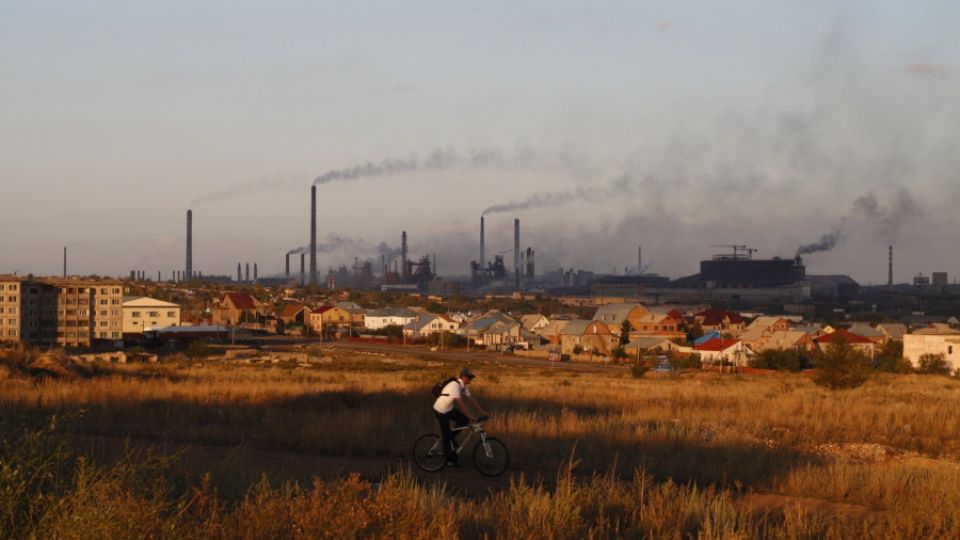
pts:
[451, 406]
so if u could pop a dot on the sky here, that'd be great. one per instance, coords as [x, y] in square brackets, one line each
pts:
[602, 126]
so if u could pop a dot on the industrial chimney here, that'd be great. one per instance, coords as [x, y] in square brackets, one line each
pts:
[303, 269]
[403, 255]
[516, 251]
[287, 267]
[64, 261]
[239, 273]
[890, 267]
[247, 272]
[639, 259]
[313, 235]
[255, 271]
[189, 266]
[483, 259]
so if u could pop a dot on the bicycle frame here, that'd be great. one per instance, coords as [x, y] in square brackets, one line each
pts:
[476, 428]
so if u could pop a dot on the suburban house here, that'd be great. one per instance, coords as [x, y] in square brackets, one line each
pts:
[869, 332]
[552, 331]
[942, 342]
[720, 350]
[591, 336]
[532, 323]
[892, 331]
[493, 330]
[235, 308]
[357, 313]
[859, 343]
[328, 320]
[650, 344]
[425, 325]
[657, 324]
[722, 320]
[614, 314]
[294, 314]
[145, 313]
[382, 318]
[785, 340]
[761, 329]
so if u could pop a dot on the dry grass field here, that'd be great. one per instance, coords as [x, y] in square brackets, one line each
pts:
[592, 455]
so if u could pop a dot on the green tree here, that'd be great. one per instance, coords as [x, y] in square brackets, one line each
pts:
[891, 359]
[933, 364]
[781, 360]
[695, 332]
[577, 349]
[841, 366]
[625, 329]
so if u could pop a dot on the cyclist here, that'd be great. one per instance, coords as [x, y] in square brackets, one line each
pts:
[454, 401]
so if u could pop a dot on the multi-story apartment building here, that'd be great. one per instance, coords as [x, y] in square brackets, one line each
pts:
[69, 312]
[11, 330]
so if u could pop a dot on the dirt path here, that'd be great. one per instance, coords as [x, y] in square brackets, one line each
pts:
[281, 466]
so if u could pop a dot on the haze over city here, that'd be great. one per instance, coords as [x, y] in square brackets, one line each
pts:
[674, 126]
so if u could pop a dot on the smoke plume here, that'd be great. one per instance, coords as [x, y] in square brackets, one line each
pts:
[553, 199]
[888, 220]
[826, 242]
[333, 242]
[440, 159]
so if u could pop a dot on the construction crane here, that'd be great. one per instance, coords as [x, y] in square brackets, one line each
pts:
[738, 251]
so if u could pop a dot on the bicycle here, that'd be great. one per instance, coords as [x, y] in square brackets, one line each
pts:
[490, 455]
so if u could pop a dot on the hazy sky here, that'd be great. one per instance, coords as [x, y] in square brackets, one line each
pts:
[675, 125]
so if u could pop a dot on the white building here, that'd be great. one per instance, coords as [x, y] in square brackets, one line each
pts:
[381, 318]
[425, 325]
[917, 344]
[145, 313]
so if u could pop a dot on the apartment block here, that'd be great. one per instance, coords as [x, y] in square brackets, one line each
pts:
[69, 312]
[11, 330]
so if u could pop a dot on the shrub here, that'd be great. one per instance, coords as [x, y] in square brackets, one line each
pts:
[842, 366]
[619, 354]
[933, 364]
[893, 364]
[638, 370]
[577, 349]
[689, 361]
[780, 360]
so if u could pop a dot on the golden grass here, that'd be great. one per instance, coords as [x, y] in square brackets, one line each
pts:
[702, 442]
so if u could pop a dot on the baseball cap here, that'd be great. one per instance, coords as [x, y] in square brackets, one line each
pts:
[467, 372]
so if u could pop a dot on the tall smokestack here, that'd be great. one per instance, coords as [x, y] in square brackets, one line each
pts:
[239, 272]
[189, 266]
[64, 261]
[303, 269]
[890, 267]
[247, 271]
[287, 267]
[254, 271]
[516, 251]
[483, 258]
[313, 235]
[403, 254]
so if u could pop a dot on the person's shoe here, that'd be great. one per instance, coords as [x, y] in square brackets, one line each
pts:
[453, 464]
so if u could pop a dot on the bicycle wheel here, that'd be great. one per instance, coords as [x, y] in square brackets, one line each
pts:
[428, 453]
[490, 457]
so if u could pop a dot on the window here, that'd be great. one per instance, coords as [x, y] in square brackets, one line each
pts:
[950, 349]
[134, 314]
[103, 313]
[116, 290]
[115, 302]
[103, 302]
[171, 314]
[153, 314]
[115, 334]
[103, 290]
[103, 323]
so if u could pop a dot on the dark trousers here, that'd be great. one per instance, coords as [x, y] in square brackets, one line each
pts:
[449, 436]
